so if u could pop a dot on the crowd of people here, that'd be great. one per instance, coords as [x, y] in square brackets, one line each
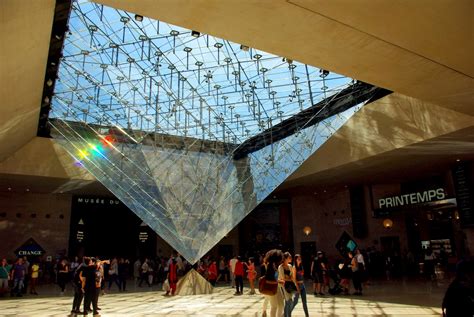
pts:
[91, 276]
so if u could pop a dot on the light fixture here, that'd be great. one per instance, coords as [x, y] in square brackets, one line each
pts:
[9, 189]
[195, 33]
[458, 160]
[49, 82]
[244, 48]
[46, 99]
[27, 189]
[387, 223]
[323, 73]
[307, 230]
[456, 215]
[138, 17]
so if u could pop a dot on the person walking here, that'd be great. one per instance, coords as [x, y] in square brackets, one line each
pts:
[123, 273]
[271, 262]
[172, 277]
[287, 283]
[136, 271]
[298, 272]
[113, 274]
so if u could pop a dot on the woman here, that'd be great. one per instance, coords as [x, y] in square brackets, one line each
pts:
[271, 263]
[63, 274]
[251, 274]
[287, 283]
[34, 277]
[172, 277]
[298, 272]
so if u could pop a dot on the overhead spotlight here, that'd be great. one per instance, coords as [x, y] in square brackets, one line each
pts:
[49, 82]
[46, 99]
[27, 189]
[195, 33]
[9, 189]
[244, 48]
[458, 160]
[323, 73]
[58, 37]
[138, 17]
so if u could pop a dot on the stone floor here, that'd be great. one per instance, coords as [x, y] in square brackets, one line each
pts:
[387, 298]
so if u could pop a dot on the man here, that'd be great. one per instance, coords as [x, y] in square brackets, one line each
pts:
[77, 284]
[18, 275]
[91, 286]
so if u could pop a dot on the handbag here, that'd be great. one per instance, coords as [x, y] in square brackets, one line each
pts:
[290, 287]
[266, 287]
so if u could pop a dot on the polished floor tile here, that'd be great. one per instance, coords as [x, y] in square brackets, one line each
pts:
[393, 298]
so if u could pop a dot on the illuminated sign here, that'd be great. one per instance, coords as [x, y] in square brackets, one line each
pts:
[412, 199]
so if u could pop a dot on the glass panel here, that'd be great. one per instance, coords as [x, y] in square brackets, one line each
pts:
[156, 112]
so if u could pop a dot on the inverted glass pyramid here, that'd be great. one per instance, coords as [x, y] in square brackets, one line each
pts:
[181, 126]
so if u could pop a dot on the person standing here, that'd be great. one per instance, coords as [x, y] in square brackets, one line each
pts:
[298, 272]
[34, 277]
[91, 286]
[212, 273]
[239, 276]
[232, 269]
[144, 273]
[18, 274]
[78, 288]
[251, 274]
[123, 273]
[63, 274]
[318, 270]
[5, 269]
[222, 270]
[356, 279]
[136, 271]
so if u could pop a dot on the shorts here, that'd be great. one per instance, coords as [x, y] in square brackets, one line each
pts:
[318, 277]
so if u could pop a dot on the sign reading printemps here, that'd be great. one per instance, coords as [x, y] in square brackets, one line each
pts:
[412, 198]
[98, 201]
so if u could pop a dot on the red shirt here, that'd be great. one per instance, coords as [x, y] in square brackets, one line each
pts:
[212, 271]
[239, 269]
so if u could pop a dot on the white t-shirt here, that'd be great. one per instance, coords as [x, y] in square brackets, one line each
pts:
[360, 258]
[232, 262]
